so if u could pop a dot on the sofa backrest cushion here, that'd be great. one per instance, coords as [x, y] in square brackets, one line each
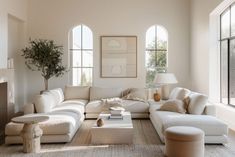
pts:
[44, 102]
[97, 93]
[57, 94]
[197, 103]
[179, 93]
[77, 92]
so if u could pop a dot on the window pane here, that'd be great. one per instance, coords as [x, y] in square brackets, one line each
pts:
[232, 72]
[150, 74]
[161, 38]
[76, 55]
[150, 38]
[87, 76]
[225, 24]
[224, 72]
[77, 37]
[87, 38]
[76, 73]
[161, 59]
[87, 57]
[150, 60]
[233, 20]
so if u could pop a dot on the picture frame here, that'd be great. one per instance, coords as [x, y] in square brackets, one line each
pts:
[118, 56]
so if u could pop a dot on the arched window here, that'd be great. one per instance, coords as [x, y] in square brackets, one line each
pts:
[81, 53]
[227, 57]
[156, 48]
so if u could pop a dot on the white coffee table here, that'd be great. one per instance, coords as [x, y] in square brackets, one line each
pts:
[114, 131]
[31, 132]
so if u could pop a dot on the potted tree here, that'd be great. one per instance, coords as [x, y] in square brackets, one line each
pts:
[44, 56]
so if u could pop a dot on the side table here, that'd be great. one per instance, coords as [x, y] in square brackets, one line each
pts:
[31, 132]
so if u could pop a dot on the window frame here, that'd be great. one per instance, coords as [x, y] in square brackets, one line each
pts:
[82, 50]
[228, 39]
[156, 50]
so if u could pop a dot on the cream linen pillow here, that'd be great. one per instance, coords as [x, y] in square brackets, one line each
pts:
[44, 102]
[197, 103]
[173, 106]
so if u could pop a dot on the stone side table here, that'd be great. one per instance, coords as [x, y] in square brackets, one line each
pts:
[31, 132]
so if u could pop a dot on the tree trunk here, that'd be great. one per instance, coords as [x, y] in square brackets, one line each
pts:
[46, 84]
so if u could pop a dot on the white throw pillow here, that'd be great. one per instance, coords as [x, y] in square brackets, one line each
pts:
[173, 106]
[44, 102]
[197, 103]
[57, 94]
[77, 92]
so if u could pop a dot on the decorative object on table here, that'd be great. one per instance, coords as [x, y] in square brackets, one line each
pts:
[44, 56]
[164, 80]
[157, 95]
[31, 132]
[100, 122]
[119, 56]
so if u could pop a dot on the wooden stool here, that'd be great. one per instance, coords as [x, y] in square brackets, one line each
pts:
[182, 141]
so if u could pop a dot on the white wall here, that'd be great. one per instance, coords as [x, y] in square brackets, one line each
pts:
[16, 8]
[54, 18]
[199, 49]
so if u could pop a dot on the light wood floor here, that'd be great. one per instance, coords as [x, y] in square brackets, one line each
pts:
[146, 143]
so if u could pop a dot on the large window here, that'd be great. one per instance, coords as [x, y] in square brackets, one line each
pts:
[227, 59]
[156, 52]
[81, 55]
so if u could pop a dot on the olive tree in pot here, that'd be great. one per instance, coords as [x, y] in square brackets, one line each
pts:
[44, 56]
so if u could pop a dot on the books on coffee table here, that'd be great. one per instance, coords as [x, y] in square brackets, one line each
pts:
[116, 116]
[116, 110]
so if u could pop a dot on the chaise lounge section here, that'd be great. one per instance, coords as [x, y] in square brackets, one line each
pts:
[215, 130]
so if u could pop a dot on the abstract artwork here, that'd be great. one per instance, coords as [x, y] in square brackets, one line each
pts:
[119, 56]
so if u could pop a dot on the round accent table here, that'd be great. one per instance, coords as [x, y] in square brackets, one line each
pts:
[184, 141]
[31, 132]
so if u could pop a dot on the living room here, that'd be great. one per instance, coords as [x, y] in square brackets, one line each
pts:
[191, 51]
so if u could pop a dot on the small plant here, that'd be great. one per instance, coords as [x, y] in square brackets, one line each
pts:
[44, 56]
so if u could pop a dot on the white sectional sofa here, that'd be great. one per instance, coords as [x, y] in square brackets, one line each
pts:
[68, 110]
[215, 130]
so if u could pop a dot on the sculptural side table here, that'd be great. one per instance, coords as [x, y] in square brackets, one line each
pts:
[31, 132]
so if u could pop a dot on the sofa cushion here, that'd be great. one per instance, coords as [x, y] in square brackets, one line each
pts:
[97, 93]
[197, 103]
[174, 105]
[76, 92]
[209, 124]
[75, 106]
[44, 102]
[179, 93]
[57, 94]
[95, 106]
[135, 106]
[59, 123]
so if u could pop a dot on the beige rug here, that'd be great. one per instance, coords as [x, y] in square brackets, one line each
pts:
[146, 143]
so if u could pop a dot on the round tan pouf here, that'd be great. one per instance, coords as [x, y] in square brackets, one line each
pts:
[183, 141]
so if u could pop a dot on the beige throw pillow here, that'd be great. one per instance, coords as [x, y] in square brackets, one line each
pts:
[138, 94]
[173, 106]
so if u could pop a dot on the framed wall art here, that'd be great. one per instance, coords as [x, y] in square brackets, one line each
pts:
[119, 56]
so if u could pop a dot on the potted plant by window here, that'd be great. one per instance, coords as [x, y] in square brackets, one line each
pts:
[44, 56]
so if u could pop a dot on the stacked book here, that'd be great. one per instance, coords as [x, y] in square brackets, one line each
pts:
[116, 112]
